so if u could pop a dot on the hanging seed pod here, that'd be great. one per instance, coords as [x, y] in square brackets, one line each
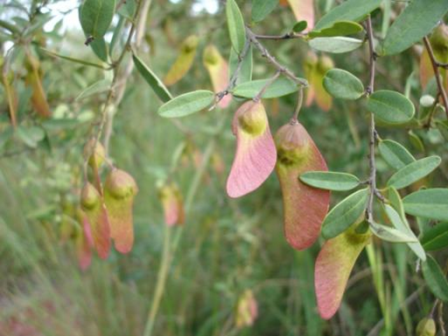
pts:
[218, 70]
[119, 192]
[246, 310]
[255, 155]
[183, 62]
[426, 327]
[304, 207]
[173, 205]
[96, 215]
[95, 157]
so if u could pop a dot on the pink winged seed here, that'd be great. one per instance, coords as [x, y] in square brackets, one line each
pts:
[255, 156]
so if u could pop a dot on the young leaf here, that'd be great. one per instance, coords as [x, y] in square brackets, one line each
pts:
[255, 150]
[281, 87]
[303, 11]
[183, 62]
[435, 278]
[395, 154]
[436, 238]
[330, 180]
[391, 107]
[340, 28]
[119, 192]
[150, 77]
[187, 104]
[245, 74]
[343, 85]
[333, 267]
[352, 10]
[235, 24]
[416, 21]
[335, 45]
[300, 27]
[101, 86]
[401, 224]
[304, 207]
[414, 172]
[218, 70]
[96, 17]
[345, 214]
[428, 203]
[262, 8]
[391, 235]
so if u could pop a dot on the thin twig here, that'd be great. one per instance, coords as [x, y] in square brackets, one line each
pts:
[435, 67]
[266, 86]
[288, 36]
[271, 59]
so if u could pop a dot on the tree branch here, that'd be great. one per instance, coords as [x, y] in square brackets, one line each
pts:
[435, 67]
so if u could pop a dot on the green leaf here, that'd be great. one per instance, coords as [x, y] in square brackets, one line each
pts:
[281, 87]
[30, 136]
[414, 172]
[345, 214]
[330, 180]
[262, 8]
[235, 24]
[428, 203]
[392, 235]
[395, 154]
[245, 74]
[417, 20]
[101, 86]
[340, 28]
[436, 238]
[435, 278]
[391, 107]
[96, 16]
[150, 77]
[401, 224]
[395, 200]
[335, 45]
[343, 85]
[352, 10]
[99, 47]
[300, 26]
[187, 104]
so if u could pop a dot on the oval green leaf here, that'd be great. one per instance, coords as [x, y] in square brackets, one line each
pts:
[395, 154]
[235, 24]
[151, 78]
[281, 87]
[300, 26]
[435, 278]
[414, 172]
[417, 20]
[402, 225]
[96, 16]
[390, 234]
[330, 180]
[340, 28]
[101, 86]
[187, 104]
[352, 10]
[343, 85]
[335, 45]
[391, 107]
[345, 214]
[428, 203]
[436, 238]
[262, 8]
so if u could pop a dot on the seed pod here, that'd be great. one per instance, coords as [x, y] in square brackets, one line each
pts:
[426, 327]
[183, 62]
[84, 241]
[310, 68]
[439, 43]
[323, 98]
[33, 79]
[173, 206]
[218, 70]
[95, 157]
[333, 267]
[255, 155]
[119, 192]
[96, 215]
[247, 310]
[304, 207]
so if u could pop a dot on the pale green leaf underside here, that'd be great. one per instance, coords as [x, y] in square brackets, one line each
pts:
[330, 180]
[187, 104]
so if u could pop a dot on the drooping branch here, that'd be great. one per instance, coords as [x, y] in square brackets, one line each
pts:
[435, 67]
